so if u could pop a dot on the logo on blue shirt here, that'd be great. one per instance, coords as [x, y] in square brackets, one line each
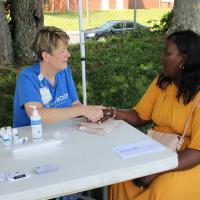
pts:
[60, 100]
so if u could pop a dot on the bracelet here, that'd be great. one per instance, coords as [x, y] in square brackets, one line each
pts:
[114, 112]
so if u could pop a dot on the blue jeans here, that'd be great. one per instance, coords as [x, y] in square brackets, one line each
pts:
[69, 197]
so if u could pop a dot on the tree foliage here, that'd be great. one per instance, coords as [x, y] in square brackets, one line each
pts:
[164, 23]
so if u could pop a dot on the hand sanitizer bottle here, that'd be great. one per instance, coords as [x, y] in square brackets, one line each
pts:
[36, 125]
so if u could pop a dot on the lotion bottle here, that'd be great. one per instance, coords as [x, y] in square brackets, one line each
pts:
[36, 125]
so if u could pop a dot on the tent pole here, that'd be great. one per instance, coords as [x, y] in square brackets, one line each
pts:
[82, 48]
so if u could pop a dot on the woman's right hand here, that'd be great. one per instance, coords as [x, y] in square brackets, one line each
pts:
[107, 113]
[92, 113]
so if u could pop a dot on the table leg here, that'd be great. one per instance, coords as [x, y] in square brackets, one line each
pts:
[89, 193]
[105, 193]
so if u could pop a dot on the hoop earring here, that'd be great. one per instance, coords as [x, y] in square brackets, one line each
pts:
[181, 67]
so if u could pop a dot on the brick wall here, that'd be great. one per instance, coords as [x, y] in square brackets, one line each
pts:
[62, 5]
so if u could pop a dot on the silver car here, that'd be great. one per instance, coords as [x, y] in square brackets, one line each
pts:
[111, 28]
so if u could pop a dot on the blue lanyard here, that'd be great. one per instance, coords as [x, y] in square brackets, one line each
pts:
[41, 78]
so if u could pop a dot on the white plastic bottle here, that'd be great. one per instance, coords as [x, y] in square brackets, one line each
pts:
[9, 131]
[36, 125]
[15, 136]
[2, 131]
[6, 140]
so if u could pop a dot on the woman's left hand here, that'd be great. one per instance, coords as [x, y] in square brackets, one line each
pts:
[146, 180]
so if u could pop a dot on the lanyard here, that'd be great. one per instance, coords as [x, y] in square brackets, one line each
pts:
[40, 78]
[44, 92]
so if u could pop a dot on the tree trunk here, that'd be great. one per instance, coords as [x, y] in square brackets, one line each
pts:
[6, 51]
[186, 15]
[27, 17]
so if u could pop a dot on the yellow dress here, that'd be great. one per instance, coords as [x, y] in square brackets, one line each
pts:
[170, 116]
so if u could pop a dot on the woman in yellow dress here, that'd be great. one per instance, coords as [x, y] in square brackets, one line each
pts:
[168, 103]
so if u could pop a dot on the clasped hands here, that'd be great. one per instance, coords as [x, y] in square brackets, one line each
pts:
[107, 113]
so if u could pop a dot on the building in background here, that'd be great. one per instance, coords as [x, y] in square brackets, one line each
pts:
[71, 5]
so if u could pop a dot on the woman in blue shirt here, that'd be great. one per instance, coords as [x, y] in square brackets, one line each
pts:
[49, 85]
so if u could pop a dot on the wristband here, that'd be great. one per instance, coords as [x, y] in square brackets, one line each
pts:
[114, 113]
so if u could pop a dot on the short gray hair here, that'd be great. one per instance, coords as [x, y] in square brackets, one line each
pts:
[46, 39]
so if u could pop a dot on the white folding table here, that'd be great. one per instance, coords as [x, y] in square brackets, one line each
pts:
[85, 162]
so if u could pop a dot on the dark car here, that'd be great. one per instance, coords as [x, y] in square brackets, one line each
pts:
[111, 28]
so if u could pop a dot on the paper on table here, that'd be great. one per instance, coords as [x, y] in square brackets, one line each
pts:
[138, 148]
[99, 129]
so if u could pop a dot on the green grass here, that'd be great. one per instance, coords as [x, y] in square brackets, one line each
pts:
[69, 21]
[118, 71]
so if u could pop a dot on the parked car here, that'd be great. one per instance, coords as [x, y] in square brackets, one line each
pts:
[111, 28]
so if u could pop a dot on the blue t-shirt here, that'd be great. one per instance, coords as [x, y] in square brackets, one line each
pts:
[28, 88]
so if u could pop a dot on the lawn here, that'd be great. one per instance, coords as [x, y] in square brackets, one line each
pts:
[69, 21]
[118, 71]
